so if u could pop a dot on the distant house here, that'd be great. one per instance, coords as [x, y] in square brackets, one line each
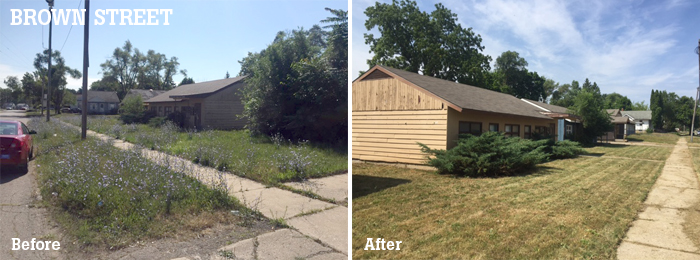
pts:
[640, 119]
[145, 94]
[623, 126]
[100, 102]
[393, 109]
[206, 105]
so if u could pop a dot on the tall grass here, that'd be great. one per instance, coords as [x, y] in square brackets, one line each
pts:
[266, 159]
[111, 197]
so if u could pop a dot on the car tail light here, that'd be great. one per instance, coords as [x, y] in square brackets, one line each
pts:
[16, 144]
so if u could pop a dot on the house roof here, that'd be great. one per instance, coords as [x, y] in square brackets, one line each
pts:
[613, 112]
[638, 115]
[145, 94]
[202, 89]
[462, 96]
[547, 107]
[99, 96]
[616, 117]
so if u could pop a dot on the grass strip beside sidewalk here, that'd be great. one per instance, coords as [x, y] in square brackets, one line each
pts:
[269, 160]
[106, 197]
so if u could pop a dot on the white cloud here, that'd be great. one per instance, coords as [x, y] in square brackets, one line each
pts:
[7, 70]
[78, 83]
[625, 46]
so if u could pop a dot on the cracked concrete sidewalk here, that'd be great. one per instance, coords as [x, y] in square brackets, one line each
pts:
[657, 233]
[324, 225]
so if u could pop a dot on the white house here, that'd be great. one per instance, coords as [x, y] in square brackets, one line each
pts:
[641, 119]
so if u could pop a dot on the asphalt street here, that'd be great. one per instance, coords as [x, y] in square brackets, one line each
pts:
[19, 215]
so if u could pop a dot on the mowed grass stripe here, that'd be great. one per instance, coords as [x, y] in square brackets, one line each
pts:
[576, 208]
[632, 151]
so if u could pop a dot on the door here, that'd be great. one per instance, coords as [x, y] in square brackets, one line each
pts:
[620, 131]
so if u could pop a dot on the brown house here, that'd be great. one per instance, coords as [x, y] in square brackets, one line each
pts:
[207, 105]
[623, 126]
[394, 109]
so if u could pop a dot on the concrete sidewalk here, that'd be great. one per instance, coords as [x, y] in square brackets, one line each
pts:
[323, 224]
[658, 233]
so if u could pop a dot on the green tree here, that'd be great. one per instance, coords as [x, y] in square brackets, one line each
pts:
[596, 121]
[433, 44]
[566, 94]
[59, 71]
[105, 84]
[132, 110]
[131, 69]
[15, 86]
[639, 106]
[69, 98]
[617, 101]
[549, 87]
[297, 89]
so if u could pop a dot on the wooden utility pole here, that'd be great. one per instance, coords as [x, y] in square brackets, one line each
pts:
[48, 88]
[86, 64]
[697, 95]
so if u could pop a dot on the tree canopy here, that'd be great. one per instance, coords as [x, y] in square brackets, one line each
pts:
[297, 86]
[130, 69]
[59, 74]
[433, 44]
[669, 111]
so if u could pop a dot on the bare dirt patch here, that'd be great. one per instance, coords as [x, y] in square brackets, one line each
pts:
[203, 244]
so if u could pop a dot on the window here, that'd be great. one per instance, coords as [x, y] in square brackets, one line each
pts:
[551, 129]
[469, 128]
[513, 130]
[493, 127]
[25, 130]
[167, 110]
[102, 105]
[569, 129]
[528, 131]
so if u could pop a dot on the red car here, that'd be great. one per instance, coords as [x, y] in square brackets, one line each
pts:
[16, 147]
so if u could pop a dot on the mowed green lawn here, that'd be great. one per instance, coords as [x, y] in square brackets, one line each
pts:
[566, 209]
[663, 138]
[631, 151]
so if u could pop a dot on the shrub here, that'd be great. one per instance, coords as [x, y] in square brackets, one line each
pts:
[565, 149]
[157, 121]
[132, 110]
[493, 154]
[178, 118]
[490, 154]
[650, 130]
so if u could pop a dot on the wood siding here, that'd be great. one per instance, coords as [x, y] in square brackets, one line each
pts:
[390, 94]
[392, 136]
[220, 110]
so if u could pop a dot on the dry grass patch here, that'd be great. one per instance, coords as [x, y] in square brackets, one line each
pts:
[631, 151]
[576, 208]
[664, 138]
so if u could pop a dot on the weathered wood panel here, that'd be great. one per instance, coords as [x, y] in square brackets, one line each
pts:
[392, 136]
[389, 94]
[220, 110]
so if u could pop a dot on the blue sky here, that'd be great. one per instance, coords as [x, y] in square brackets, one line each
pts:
[208, 37]
[628, 47]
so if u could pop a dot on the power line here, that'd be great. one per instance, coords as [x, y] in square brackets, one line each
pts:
[13, 58]
[13, 45]
[71, 29]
